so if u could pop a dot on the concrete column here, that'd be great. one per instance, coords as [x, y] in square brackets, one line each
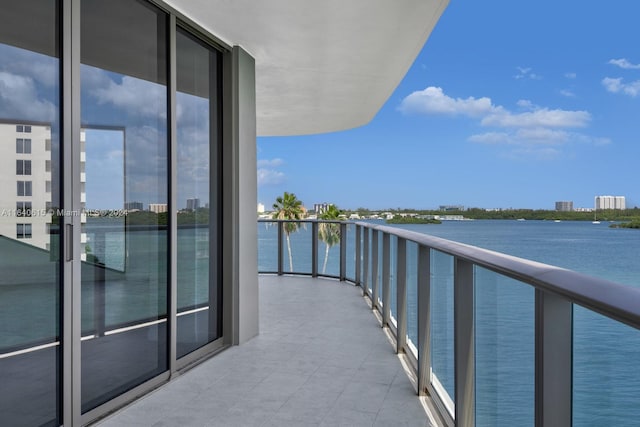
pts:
[240, 231]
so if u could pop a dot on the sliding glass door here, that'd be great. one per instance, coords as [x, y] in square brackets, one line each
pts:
[124, 193]
[198, 133]
[95, 120]
[30, 282]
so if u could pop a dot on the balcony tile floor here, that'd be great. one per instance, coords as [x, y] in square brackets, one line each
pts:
[321, 359]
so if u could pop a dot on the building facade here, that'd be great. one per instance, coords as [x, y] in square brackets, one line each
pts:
[26, 214]
[193, 204]
[564, 206]
[610, 202]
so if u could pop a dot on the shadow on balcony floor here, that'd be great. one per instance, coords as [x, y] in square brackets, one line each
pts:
[321, 359]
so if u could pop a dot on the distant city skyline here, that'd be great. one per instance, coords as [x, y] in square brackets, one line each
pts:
[506, 106]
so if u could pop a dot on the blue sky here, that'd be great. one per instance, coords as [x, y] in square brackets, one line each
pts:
[510, 104]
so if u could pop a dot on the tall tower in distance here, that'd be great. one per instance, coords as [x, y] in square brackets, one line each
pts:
[610, 202]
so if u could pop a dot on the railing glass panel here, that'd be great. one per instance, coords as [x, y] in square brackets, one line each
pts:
[504, 350]
[605, 376]
[369, 266]
[380, 264]
[412, 294]
[442, 320]
[329, 240]
[351, 259]
[393, 278]
[297, 247]
[268, 247]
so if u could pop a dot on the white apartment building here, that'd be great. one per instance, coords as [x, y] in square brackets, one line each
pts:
[25, 187]
[26, 210]
[158, 207]
[610, 202]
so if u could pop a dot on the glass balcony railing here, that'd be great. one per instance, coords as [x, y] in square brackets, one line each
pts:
[493, 339]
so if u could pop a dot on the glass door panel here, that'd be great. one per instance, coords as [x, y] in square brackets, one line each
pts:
[30, 284]
[123, 185]
[199, 302]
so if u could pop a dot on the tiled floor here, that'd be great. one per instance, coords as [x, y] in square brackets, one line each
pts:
[321, 359]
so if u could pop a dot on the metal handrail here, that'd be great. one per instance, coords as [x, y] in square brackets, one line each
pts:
[616, 301]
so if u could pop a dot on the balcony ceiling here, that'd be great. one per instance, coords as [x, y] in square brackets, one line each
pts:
[321, 66]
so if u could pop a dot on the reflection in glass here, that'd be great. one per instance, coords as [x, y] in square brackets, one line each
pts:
[29, 255]
[199, 302]
[124, 192]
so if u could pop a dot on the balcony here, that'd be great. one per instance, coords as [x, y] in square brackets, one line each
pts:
[446, 354]
[321, 359]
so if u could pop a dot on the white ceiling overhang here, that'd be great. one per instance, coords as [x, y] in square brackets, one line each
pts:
[321, 66]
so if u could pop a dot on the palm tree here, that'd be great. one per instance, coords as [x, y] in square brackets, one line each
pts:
[329, 233]
[288, 207]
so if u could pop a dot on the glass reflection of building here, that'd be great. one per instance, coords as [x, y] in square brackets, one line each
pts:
[25, 148]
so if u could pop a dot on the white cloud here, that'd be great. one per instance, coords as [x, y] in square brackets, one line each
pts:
[542, 136]
[270, 177]
[624, 63]
[135, 96]
[525, 73]
[270, 163]
[268, 173]
[432, 100]
[533, 126]
[539, 118]
[526, 104]
[537, 137]
[570, 75]
[528, 153]
[491, 138]
[616, 85]
[19, 99]
[567, 93]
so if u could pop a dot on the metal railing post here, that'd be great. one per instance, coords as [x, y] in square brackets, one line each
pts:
[375, 235]
[365, 262]
[464, 343]
[553, 378]
[314, 249]
[424, 318]
[401, 297]
[386, 279]
[280, 260]
[358, 255]
[343, 251]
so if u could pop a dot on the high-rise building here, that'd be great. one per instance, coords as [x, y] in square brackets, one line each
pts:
[610, 202]
[564, 206]
[320, 207]
[25, 156]
[158, 207]
[193, 204]
[133, 206]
